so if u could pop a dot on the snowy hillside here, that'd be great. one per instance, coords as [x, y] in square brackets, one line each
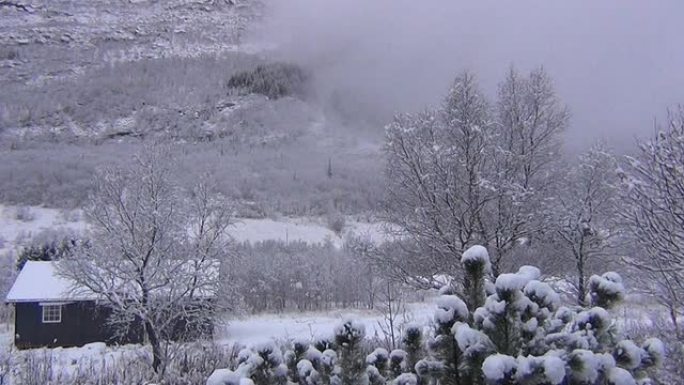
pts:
[80, 34]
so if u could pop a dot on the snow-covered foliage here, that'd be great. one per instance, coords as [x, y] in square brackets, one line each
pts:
[227, 377]
[96, 363]
[412, 341]
[406, 379]
[476, 264]
[521, 335]
[450, 309]
[467, 173]
[476, 255]
[348, 338]
[606, 290]
[499, 368]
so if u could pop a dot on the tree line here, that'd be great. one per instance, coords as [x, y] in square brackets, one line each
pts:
[476, 171]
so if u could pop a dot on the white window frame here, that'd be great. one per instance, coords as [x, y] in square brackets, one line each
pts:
[52, 314]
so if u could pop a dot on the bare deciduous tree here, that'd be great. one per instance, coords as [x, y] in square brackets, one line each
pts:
[525, 146]
[464, 175]
[654, 191]
[436, 161]
[584, 213]
[154, 253]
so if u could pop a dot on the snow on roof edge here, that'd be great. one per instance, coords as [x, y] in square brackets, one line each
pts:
[38, 281]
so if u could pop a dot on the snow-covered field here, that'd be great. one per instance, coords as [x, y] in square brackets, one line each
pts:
[312, 325]
[302, 229]
[19, 224]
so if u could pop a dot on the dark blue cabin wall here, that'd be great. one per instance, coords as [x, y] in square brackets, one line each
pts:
[83, 322]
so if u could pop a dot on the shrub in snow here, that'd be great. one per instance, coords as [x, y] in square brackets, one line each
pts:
[348, 339]
[521, 335]
[49, 245]
[499, 368]
[413, 345]
[323, 344]
[379, 358]
[378, 366]
[274, 80]
[397, 363]
[518, 335]
[292, 357]
[474, 346]
[653, 352]
[606, 290]
[429, 369]
[225, 377]
[450, 309]
[263, 365]
[374, 376]
[336, 221]
[406, 379]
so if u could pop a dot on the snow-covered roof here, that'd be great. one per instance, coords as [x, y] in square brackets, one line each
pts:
[38, 281]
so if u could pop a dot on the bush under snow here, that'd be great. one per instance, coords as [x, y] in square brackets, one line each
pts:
[519, 334]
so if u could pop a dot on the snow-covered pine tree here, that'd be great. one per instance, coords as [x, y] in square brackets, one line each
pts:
[519, 336]
[413, 345]
[476, 265]
[397, 363]
[443, 346]
[318, 367]
[293, 356]
[522, 336]
[348, 339]
[263, 365]
[378, 366]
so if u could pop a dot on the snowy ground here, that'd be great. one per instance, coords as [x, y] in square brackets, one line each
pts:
[312, 325]
[18, 224]
[302, 229]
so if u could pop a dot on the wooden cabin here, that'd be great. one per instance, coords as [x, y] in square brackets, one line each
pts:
[50, 311]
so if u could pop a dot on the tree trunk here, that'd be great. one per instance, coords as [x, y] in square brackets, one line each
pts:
[581, 288]
[673, 318]
[156, 347]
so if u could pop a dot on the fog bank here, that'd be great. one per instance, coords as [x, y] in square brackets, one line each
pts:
[616, 63]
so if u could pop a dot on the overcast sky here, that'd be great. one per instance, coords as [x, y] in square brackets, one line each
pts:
[617, 64]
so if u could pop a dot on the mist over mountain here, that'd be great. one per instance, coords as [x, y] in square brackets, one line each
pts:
[616, 64]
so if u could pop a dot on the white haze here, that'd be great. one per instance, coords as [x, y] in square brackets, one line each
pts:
[616, 63]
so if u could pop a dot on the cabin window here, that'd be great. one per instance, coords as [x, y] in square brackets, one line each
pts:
[52, 314]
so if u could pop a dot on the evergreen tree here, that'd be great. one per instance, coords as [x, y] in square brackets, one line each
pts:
[519, 336]
[476, 265]
[413, 345]
[348, 339]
